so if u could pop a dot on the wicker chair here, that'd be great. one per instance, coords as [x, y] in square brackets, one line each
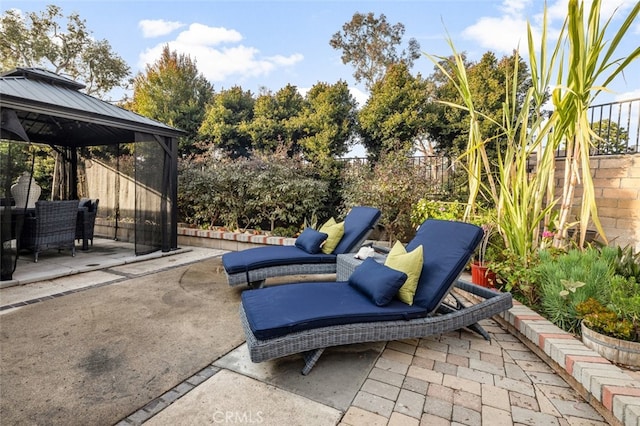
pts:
[306, 318]
[86, 221]
[53, 226]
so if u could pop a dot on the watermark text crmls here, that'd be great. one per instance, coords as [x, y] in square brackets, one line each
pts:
[238, 417]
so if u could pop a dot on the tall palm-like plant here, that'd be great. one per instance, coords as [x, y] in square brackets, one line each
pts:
[590, 60]
[524, 201]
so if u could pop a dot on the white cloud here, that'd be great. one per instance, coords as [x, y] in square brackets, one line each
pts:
[514, 7]
[199, 34]
[502, 34]
[218, 56]
[633, 94]
[158, 27]
[360, 96]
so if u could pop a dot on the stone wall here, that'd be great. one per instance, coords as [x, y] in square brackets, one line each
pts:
[616, 180]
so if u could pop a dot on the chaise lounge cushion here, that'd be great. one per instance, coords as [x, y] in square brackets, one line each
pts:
[377, 281]
[264, 257]
[446, 252]
[277, 311]
[354, 231]
[357, 224]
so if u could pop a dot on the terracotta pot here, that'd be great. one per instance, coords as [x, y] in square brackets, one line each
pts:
[615, 350]
[482, 275]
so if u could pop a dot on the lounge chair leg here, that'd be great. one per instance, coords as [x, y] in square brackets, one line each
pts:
[481, 331]
[446, 308]
[310, 359]
[256, 284]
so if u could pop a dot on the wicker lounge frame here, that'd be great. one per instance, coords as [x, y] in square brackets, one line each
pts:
[255, 277]
[311, 343]
[449, 308]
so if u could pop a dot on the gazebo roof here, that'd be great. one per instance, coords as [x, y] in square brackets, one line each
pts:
[52, 110]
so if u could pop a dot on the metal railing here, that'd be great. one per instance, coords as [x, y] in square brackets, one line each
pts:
[617, 125]
[439, 170]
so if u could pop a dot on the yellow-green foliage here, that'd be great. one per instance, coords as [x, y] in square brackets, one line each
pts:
[603, 320]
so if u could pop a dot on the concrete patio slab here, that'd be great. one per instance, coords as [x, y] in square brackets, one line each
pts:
[231, 398]
[334, 380]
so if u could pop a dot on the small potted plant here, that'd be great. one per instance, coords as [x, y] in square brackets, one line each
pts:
[612, 327]
[481, 274]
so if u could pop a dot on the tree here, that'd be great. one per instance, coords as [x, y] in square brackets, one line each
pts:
[328, 119]
[487, 78]
[610, 137]
[173, 92]
[275, 120]
[69, 50]
[369, 44]
[226, 121]
[394, 116]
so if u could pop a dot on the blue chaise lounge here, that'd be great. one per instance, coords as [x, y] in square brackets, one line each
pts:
[309, 317]
[253, 266]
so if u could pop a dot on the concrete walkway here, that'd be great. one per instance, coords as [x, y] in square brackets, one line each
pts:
[457, 378]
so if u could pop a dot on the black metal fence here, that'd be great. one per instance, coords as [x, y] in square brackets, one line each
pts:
[439, 170]
[617, 125]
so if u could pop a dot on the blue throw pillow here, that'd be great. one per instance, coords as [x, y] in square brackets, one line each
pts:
[310, 240]
[377, 281]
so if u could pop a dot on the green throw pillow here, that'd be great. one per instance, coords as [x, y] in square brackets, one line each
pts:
[409, 263]
[335, 231]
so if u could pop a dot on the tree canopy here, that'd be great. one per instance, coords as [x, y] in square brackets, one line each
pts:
[369, 44]
[488, 78]
[394, 116]
[328, 119]
[173, 91]
[226, 121]
[42, 40]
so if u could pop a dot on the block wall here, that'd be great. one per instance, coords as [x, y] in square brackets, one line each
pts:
[616, 181]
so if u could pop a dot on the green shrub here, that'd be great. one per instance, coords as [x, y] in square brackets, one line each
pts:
[569, 279]
[433, 209]
[393, 185]
[273, 190]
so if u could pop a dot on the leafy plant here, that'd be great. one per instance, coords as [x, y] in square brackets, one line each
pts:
[525, 201]
[518, 276]
[569, 279]
[393, 185]
[627, 263]
[433, 209]
[605, 321]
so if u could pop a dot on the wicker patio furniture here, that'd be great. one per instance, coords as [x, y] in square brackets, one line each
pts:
[253, 266]
[88, 209]
[305, 318]
[53, 226]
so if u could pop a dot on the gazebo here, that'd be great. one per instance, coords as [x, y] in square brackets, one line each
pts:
[39, 106]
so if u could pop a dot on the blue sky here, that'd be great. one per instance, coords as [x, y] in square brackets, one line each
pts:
[267, 44]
